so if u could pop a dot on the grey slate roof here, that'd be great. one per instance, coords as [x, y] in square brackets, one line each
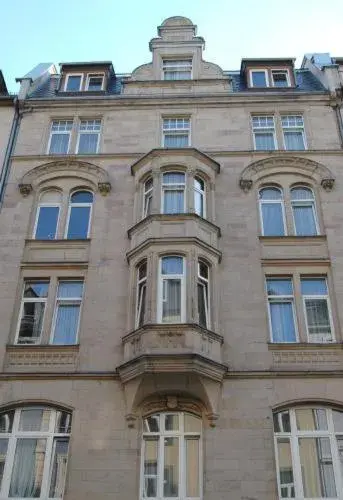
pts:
[306, 82]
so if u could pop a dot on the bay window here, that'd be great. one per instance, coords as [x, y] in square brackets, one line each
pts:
[171, 456]
[34, 444]
[172, 297]
[173, 192]
[203, 294]
[141, 294]
[272, 211]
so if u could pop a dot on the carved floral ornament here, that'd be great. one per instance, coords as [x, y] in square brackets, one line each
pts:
[286, 165]
[83, 171]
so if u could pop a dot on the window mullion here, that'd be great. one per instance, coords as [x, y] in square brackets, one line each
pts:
[298, 486]
[182, 464]
[47, 465]
[335, 456]
[160, 466]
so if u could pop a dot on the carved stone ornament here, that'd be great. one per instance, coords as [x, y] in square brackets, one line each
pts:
[327, 183]
[104, 188]
[25, 189]
[245, 184]
[172, 402]
[212, 418]
[131, 420]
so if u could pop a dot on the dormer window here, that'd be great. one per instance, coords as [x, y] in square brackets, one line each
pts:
[280, 78]
[95, 82]
[268, 77]
[177, 69]
[259, 78]
[73, 83]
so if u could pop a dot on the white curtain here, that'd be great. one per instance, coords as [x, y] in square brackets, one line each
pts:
[305, 224]
[27, 468]
[172, 304]
[66, 323]
[272, 219]
[175, 140]
[318, 316]
[282, 320]
[173, 201]
[59, 144]
[294, 140]
[264, 141]
[88, 143]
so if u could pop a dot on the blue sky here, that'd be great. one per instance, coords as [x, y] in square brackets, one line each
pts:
[118, 30]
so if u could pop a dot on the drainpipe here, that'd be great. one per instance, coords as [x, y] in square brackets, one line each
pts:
[9, 150]
[339, 121]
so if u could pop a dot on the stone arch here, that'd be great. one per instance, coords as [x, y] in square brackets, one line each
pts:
[321, 402]
[279, 165]
[96, 176]
[22, 403]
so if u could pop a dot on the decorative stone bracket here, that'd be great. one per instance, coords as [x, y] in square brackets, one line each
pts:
[327, 184]
[25, 189]
[104, 188]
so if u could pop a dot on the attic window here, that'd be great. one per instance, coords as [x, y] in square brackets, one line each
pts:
[258, 78]
[95, 82]
[177, 69]
[280, 78]
[73, 83]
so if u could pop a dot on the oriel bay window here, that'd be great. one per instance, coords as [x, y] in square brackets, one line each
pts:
[34, 444]
[203, 294]
[141, 294]
[172, 296]
[173, 192]
[171, 456]
[308, 450]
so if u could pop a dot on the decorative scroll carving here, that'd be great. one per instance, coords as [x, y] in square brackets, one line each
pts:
[104, 187]
[327, 184]
[245, 184]
[25, 189]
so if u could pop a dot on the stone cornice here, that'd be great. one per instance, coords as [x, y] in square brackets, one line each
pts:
[295, 262]
[304, 346]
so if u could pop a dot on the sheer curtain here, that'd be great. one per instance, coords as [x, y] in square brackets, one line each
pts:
[68, 310]
[171, 303]
[282, 320]
[27, 469]
[173, 202]
[272, 219]
[88, 143]
[304, 220]
[264, 141]
[175, 140]
[294, 140]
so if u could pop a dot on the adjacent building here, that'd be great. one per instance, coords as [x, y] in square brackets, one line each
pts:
[170, 280]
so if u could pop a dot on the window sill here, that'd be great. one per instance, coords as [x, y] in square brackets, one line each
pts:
[41, 357]
[56, 251]
[299, 346]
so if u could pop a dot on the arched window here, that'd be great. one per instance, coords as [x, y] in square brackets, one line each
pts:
[34, 452]
[47, 216]
[172, 296]
[171, 456]
[173, 193]
[147, 196]
[141, 294]
[79, 215]
[304, 212]
[272, 211]
[308, 450]
[203, 294]
[199, 197]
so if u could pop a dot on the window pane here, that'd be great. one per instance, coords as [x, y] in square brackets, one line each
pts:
[272, 218]
[301, 193]
[258, 78]
[73, 83]
[152, 424]
[171, 422]
[282, 421]
[316, 467]
[285, 468]
[88, 143]
[311, 419]
[174, 178]
[305, 224]
[192, 467]
[31, 322]
[280, 79]
[172, 265]
[270, 193]
[202, 304]
[199, 203]
[34, 419]
[313, 286]
[68, 289]
[171, 467]
[141, 305]
[282, 321]
[58, 467]
[47, 223]
[35, 289]
[279, 286]
[67, 320]
[337, 421]
[63, 422]
[171, 310]
[192, 423]
[78, 222]
[150, 467]
[176, 141]
[264, 141]
[59, 144]
[294, 140]
[173, 202]
[27, 471]
[82, 197]
[3, 453]
[318, 319]
[95, 83]
[6, 421]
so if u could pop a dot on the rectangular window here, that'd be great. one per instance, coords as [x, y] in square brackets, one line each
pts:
[280, 78]
[177, 69]
[281, 309]
[95, 82]
[32, 312]
[89, 134]
[172, 294]
[258, 78]
[293, 132]
[176, 132]
[73, 83]
[173, 192]
[264, 133]
[141, 294]
[317, 309]
[203, 294]
[67, 312]
[60, 137]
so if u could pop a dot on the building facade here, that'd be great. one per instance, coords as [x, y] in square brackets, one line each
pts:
[171, 253]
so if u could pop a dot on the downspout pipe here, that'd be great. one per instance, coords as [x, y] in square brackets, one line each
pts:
[9, 150]
[339, 122]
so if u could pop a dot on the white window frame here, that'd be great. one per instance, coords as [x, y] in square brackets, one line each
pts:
[147, 194]
[89, 76]
[169, 69]
[166, 277]
[141, 283]
[67, 300]
[170, 186]
[67, 79]
[264, 129]
[205, 283]
[310, 337]
[176, 131]
[182, 435]
[202, 193]
[258, 70]
[79, 132]
[49, 436]
[42, 205]
[69, 132]
[285, 299]
[305, 203]
[293, 437]
[70, 205]
[280, 70]
[281, 202]
[31, 300]
[295, 129]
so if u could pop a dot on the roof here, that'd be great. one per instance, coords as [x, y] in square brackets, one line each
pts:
[94, 64]
[3, 87]
[305, 82]
[268, 60]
